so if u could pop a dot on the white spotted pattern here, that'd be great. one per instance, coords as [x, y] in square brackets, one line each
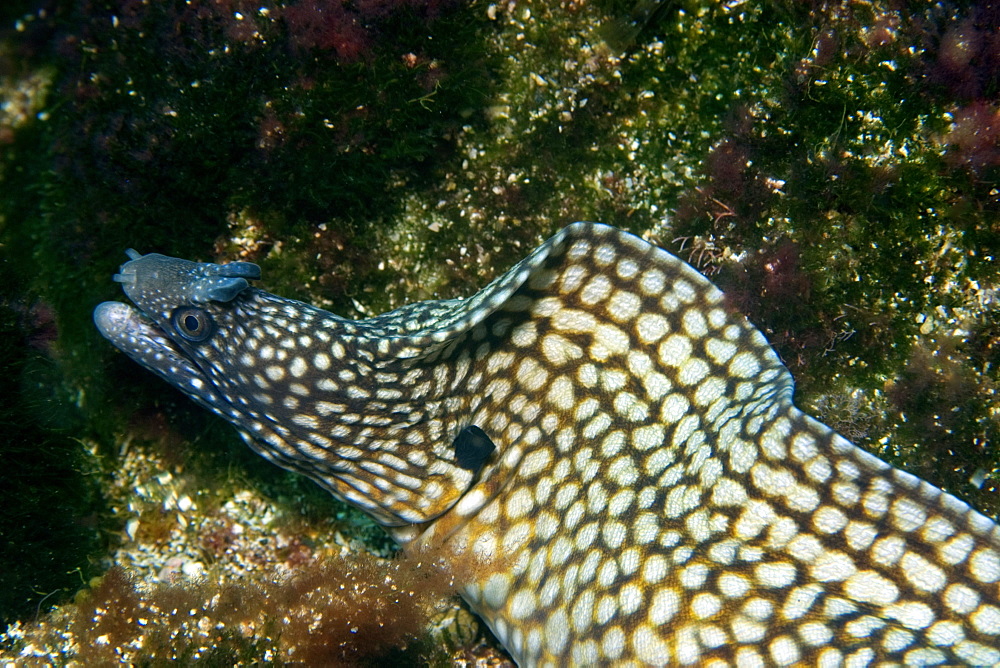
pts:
[654, 497]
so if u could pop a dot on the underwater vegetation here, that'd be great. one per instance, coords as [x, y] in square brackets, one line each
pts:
[355, 611]
[124, 117]
[832, 166]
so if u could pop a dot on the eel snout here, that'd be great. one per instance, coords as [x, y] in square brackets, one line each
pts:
[113, 319]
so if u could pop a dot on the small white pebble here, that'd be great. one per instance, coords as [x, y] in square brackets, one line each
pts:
[193, 569]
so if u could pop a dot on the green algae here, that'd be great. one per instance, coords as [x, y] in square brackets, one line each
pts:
[833, 168]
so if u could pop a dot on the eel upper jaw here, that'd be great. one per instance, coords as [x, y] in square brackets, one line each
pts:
[136, 335]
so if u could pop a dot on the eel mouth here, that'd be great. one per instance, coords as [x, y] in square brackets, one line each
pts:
[135, 334]
[129, 329]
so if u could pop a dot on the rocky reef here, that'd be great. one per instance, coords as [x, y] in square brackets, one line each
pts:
[832, 166]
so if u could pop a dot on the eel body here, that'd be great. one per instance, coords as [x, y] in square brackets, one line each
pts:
[615, 449]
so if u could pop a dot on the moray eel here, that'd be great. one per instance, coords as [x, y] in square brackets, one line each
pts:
[617, 448]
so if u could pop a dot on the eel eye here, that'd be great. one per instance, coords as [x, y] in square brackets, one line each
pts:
[192, 323]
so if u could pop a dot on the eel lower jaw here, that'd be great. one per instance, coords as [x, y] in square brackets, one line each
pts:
[132, 332]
